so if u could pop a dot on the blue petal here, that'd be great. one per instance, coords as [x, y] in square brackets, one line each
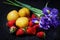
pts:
[44, 23]
[46, 10]
[54, 11]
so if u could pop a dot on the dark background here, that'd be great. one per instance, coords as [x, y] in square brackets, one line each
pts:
[53, 34]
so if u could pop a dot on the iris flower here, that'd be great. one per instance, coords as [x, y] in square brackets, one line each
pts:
[46, 10]
[44, 23]
[51, 17]
[35, 20]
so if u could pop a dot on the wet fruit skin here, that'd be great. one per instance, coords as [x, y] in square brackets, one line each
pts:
[40, 34]
[31, 31]
[10, 23]
[36, 26]
[27, 11]
[30, 24]
[22, 22]
[24, 12]
[12, 15]
[19, 32]
[33, 16]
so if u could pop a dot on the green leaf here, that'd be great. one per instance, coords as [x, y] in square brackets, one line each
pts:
[39, 15]
[30, 7]
[36, 11]
[13, 3]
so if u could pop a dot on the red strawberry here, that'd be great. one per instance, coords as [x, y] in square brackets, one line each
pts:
[31, 30]
[12, 29]
[40, 34]
[36, 26]
[30, 19]
[33, 16]
[20, 32]
[10, 23]
[30, 23]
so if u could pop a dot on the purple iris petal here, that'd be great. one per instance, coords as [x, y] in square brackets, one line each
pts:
[50, 18]
[55, 21]
[44, 23]
[53, 12]
[46, 10]
[34, 20]
[54, 18]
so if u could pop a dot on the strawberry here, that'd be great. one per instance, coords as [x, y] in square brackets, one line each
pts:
[36, 26]
[20, 32]
[30, 23]
[30, 19]
[12, 29]
[10, 23]
[31, 31]
[40, 34]
[33, 16]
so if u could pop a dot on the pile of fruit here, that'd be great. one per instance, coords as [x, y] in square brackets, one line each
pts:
[22, 22]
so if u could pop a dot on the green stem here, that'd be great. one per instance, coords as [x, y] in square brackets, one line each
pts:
[22, 4]
[36, 11]
[11, 4]
[14, 3]
[28, 6]
[46, 4]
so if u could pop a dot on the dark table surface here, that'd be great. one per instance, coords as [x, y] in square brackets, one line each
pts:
[53, 34]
